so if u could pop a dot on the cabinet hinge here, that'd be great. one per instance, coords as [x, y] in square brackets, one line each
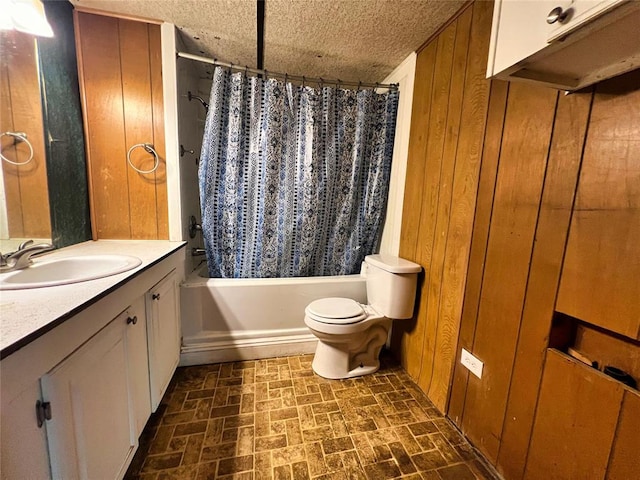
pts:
[43, 412]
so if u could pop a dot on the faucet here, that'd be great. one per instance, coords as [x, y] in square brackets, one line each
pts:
[21, 258]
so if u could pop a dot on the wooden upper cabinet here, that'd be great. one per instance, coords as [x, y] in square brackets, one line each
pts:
[121, 85]
[600, 281]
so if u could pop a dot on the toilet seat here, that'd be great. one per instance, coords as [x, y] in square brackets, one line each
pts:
[336, 311]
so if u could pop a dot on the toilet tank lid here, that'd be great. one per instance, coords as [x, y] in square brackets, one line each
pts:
[392, 263]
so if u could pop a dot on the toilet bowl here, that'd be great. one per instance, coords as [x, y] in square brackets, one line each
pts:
[351, 335]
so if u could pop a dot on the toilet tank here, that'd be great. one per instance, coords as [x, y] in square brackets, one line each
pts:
[391, 285]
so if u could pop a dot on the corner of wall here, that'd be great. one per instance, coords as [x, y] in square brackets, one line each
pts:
[170, 94]
[404, 75]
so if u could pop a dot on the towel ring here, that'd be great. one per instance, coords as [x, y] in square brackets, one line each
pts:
[149, 148]
[18, 137]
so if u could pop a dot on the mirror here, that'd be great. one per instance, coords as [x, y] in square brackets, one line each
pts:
[41, 97]
[24, 213]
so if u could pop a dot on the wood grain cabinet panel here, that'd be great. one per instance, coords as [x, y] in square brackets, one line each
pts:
[575, 421]
[600, 281]
[625, 457]
[121, 83]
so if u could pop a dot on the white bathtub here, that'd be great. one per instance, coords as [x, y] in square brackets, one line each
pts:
[240, 319]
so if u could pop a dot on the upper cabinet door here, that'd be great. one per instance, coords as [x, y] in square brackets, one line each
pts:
[565, 44]
[90, 434]
[519, 30]
[572, 14]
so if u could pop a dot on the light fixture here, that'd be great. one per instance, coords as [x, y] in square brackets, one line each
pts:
[25, 16]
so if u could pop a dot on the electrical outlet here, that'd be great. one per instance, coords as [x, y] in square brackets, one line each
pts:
[472, 363]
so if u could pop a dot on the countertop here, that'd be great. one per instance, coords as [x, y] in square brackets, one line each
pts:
[27, 314]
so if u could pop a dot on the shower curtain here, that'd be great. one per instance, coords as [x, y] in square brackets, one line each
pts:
[293, 179]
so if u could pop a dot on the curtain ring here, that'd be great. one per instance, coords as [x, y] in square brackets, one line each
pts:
[246, 69]
[286, 78]
[359, 85]
[321, 83]
[304, 81]
[266, 74]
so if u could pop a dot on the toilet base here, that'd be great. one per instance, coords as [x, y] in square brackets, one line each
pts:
[353, 355]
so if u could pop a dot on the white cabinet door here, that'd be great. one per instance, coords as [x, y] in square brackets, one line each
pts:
[138, 361]
[91, 434]
[519, 30]
[578, 12]
[163, 326]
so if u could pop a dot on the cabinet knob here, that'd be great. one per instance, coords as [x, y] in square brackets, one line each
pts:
[558, 14]
[133, 320]
[156, 296]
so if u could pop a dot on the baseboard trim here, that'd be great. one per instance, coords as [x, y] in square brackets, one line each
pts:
[231, 350]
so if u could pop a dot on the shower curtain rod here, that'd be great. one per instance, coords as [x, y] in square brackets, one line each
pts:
[304, 80]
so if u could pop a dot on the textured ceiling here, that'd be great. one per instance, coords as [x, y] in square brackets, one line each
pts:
[346, 39]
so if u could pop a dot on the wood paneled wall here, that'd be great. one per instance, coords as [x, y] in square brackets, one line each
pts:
[509, 165]
[445, 148]
[121, 84]
[25, 186]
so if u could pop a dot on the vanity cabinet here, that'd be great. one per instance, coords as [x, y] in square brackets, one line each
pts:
[566, 44]
[91, 433]
[93, 371]
[163, 334]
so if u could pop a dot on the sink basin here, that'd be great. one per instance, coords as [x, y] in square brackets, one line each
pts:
[67, 270]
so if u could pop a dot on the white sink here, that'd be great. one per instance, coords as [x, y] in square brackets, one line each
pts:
[48, 273]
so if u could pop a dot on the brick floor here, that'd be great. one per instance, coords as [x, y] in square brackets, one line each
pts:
[275, 419]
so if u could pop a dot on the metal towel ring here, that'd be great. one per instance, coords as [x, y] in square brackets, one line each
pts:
[18, 137]
[149, 148]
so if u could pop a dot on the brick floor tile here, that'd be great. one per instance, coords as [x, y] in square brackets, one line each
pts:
[275, 419]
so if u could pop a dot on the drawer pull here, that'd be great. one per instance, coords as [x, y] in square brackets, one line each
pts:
[156, 296]
[132, 320]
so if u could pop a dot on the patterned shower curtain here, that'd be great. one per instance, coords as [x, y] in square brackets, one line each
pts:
[293, 180]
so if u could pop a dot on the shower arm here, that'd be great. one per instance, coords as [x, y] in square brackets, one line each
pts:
[190, 96]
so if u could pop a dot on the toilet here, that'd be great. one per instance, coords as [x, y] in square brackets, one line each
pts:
[351, 335]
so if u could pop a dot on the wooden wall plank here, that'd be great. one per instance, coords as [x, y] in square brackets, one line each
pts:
[523, 159]
[602, 266]
[138, 115]
[418, 133]
[408, 334]
[160, 178]
[101, 88]
[479, 240]
[624, 461]
[464, 189]
[575, 423]
[432, 184]
[551, 234]
[444, 205]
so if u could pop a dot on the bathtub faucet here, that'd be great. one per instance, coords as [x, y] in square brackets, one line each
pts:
[197, 252]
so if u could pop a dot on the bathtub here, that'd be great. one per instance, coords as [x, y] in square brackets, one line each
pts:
[241, 319]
